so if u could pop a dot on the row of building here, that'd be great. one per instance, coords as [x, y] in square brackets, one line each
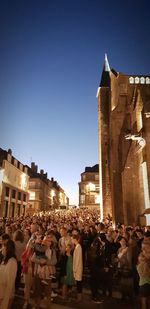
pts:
[24, 190]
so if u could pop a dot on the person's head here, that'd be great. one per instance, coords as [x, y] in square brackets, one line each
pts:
[126, 234]
[8, 250]
[33, 228]
[102, 226]
[39, 238]
[18, 236]
[75, 239]
[123, 242]
[48, 240]
[120, 229]
[75, 232]
[55, 228]
[68, 249]
[110, 235]
[63, 231]
[5, 238]
[27, 234]
[8, 230]
[139, 234]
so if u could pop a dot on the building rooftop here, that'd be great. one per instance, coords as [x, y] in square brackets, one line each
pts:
[92, 169]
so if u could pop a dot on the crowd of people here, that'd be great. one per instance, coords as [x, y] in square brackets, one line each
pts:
[59, 245]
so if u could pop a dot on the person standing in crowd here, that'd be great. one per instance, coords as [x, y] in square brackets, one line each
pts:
[64, 240]
[4, 239]
[125, 269]
[143, 268]
[33, 230]
[27, 235]
[8, 271]
[86, 242]
[77, 266]
[27, 271]
[18, 238]
[66, 271]
[8, 230]
[94, 262]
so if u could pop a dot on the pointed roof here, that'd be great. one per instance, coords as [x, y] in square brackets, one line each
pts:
[106, 64]
[105, 78]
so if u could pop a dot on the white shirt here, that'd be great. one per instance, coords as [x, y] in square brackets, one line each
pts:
[7, 282]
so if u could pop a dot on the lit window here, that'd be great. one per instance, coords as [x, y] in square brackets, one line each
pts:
[142, 80]
[90, 187]
[97, 199]
[137, 80]
[23, 181]
[131, 80]
[31, 195]
[82, 199]
[147, 80]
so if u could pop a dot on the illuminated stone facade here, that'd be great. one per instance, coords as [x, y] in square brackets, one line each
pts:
[124, 146]
[14, 183]
[24, 191]
[89, 187]
[44, 194]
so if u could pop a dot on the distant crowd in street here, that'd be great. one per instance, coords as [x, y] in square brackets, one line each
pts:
[60, 245]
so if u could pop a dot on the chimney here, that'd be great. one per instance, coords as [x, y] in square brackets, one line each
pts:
[10, 151]
[34, 167]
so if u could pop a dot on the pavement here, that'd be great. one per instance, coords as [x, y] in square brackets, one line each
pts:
[115, 302]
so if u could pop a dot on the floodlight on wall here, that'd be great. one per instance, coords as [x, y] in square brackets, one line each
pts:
[147, 115]
[140, 140]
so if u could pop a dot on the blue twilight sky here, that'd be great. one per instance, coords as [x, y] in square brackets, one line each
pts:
[51, 58]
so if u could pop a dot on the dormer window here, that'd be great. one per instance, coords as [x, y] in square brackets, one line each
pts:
[131, 80]
[137, 80]
[142, 80]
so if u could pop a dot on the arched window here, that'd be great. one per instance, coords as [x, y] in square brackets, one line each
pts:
[137, 80]
[142, 80]
[131, 80]
[147, 80]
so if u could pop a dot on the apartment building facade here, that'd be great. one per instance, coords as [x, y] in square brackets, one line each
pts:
[44, 194]
[14, 184]
[89, 187]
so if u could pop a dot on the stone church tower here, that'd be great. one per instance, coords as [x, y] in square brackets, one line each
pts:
[124, 146]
